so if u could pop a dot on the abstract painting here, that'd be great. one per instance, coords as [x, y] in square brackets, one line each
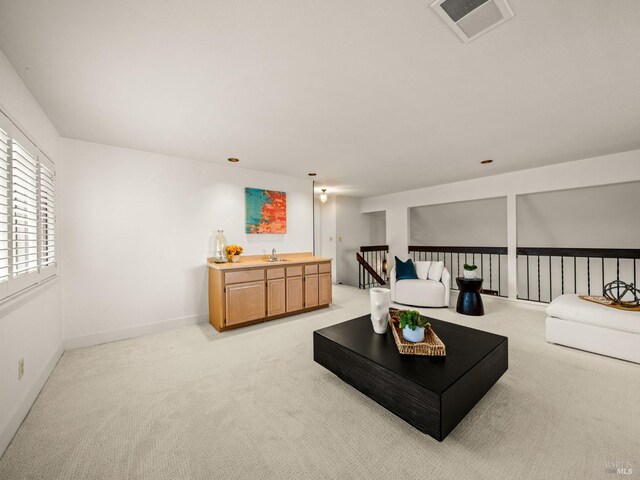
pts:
[266, 211]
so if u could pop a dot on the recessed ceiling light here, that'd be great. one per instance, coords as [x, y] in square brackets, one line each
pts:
[486, 162]
[312, 174]
[233, 160]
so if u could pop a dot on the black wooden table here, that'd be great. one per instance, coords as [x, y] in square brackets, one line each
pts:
[469, 298]
[431, 393]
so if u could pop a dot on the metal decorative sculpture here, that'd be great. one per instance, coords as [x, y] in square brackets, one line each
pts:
[617, 290]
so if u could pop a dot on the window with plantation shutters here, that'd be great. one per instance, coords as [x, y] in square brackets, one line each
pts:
[24, 211]
[46, 182]
[4, 205]
[27, 212]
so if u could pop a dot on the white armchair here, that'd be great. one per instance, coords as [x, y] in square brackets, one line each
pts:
[421, 293]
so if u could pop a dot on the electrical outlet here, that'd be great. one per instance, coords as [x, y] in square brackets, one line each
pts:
[20, 368]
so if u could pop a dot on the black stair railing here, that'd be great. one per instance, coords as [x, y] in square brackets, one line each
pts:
[372, 265]
[545, 273]
[491, 262]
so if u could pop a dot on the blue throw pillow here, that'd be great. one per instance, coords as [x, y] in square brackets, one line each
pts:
[405, 270]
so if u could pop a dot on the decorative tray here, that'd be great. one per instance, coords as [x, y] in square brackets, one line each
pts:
[431, 346]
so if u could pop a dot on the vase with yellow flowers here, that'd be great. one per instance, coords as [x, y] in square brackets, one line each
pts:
[233, 252]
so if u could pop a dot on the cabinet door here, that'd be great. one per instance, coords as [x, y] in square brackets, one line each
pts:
[311, 290]
[245, 302]
[276, 300]
[324, 289]
[295, 294]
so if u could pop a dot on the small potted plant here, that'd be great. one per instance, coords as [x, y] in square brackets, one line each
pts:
[233, 252]
[470, 271]
[412, 325]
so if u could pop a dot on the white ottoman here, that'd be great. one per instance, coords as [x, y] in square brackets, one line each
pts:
[588, 326]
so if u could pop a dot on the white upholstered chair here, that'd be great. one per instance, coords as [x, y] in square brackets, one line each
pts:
[431, 289]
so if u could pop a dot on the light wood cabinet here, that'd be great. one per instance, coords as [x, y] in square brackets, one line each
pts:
[311, 290]
[253, 293]
[245, 302]
[295, 294]
[324, 289]
[276, 297]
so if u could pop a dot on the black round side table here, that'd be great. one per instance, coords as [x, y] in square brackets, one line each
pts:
[469, 298]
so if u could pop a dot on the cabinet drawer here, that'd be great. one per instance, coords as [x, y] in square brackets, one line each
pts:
[246, 276]
[294, 271]
[308, 269]
[275, 273]
[324, 267]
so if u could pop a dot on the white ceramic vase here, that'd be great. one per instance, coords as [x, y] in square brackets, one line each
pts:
[470, 274]
[413, 336]
[380, 298]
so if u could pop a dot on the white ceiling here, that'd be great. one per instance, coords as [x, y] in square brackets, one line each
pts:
[376, 96]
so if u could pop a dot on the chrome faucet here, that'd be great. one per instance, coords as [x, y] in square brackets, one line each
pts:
[272, 257]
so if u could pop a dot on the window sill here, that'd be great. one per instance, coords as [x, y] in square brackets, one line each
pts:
[18, 299]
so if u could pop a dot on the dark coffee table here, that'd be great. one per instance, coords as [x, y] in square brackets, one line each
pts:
[431, 393]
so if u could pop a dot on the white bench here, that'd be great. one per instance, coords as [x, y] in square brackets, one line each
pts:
[588, 326]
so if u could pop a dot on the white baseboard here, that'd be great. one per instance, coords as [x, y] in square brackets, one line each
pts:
[25, 404]
[131, 332]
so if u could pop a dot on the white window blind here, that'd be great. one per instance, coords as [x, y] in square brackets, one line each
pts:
[4, 205]
[27, 212]
[46, 190]
[24, 210]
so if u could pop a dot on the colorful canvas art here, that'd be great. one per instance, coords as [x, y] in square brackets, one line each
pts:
[266, 211]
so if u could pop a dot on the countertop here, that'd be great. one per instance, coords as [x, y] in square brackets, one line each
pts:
[249, 261]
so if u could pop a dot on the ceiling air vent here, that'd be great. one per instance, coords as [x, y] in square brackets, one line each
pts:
[472, 18]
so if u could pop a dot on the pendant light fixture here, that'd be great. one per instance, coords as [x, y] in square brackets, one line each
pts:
[323, 196]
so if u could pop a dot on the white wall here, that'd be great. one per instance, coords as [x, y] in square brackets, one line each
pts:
[139, 227]
[353, 230]
[31, 325]
[343, 230]
[327, 243]
[377, 228]
[594, 217]
[477, 223]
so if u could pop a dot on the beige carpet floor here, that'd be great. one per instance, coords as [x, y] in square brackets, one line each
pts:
[251, 404]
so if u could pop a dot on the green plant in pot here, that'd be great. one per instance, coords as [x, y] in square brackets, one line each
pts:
[470, 270]
[412, 325]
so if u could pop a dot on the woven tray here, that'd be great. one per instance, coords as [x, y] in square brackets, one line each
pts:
[431, 346]
[607, 303]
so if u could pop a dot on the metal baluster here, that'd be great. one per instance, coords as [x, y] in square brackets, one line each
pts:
[451, 270]
[528, 295]
[550, 281]
[499, 274]
[603, 275]
[562, 273]
[618, 275]
[588, 276]
[491, 275]
[482, 266]
[538, 277]
[458, 263]
[575, 276]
